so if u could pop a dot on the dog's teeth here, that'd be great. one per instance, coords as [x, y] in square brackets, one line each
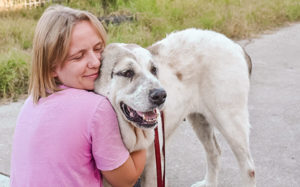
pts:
[157, 111]
[144, 118]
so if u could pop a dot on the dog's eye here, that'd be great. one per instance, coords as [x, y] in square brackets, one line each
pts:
[153, 70]
[129, 73]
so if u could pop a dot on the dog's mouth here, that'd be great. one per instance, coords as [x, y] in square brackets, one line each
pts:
[142, 119]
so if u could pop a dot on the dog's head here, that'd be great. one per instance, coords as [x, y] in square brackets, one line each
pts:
[128, 78]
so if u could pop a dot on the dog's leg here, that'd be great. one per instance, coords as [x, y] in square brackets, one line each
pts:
[235, 129]
[148, 178]
[206, 135]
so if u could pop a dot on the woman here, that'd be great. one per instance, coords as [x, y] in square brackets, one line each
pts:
[65, 134]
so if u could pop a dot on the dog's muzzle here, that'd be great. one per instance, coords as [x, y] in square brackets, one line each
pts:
[141, 119]
[146, 119]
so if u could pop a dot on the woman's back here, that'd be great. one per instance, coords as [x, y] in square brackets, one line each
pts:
[55, 139]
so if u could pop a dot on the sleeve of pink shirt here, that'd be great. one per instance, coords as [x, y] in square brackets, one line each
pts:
[108, 148]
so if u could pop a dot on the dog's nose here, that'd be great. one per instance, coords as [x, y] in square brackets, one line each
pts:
[157, 96]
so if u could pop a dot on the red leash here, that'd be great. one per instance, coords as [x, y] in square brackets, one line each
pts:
[160, 178]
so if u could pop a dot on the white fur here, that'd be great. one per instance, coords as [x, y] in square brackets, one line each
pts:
[206, 79]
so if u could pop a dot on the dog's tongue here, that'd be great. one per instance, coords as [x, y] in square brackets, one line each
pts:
[149, 115]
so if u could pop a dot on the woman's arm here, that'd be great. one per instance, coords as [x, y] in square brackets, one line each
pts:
[127, 174]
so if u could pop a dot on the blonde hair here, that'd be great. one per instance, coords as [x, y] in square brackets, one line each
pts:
[51, 45]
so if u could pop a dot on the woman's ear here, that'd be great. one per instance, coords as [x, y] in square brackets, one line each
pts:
[54, 74]
[54, 71]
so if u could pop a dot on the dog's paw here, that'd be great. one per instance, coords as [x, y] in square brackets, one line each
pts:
[203, 183]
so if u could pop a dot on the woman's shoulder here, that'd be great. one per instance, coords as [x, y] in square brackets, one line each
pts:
[80, 93]
[79, 97]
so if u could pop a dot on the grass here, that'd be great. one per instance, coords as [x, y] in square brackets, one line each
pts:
[238, 19]
[14, 74]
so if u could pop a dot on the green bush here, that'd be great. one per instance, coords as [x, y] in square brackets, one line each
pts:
[13, 74]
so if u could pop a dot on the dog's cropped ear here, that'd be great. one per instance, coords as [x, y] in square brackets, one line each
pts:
[154, 49]
[112, 47]
[132, 46]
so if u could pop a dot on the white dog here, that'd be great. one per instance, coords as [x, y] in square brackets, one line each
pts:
[199, 75]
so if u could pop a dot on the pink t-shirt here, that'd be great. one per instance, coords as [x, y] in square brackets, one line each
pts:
[64, 140]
